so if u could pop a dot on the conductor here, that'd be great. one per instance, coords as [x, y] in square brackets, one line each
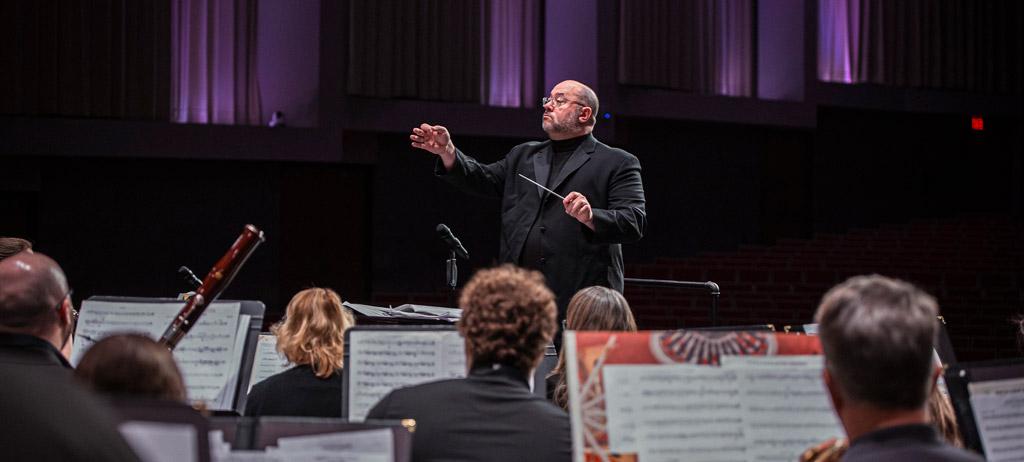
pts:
[575, 239]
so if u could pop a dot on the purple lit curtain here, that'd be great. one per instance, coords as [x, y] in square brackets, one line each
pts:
[417, 49]
[213, 62]
[698, 46]
[513, 38]
[81, 58]
[940, 44]
[474, 51]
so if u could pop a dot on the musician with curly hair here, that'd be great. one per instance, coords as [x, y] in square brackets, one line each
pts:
[508, 317]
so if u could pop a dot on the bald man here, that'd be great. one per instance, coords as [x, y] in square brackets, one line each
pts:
[36, 316]
[576, 241]
[46, 416]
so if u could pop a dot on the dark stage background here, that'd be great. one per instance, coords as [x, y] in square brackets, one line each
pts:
[94, 172]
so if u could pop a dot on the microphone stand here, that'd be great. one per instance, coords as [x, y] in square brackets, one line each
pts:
[451, 272]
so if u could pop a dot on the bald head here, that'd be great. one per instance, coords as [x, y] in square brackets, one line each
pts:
[31, 286]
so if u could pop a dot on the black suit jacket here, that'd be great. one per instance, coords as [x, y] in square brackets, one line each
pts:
[44, 414]
[296, 392]
[488, 416]
[574, 256]
[905, 443]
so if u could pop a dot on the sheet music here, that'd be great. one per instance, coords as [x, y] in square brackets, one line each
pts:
[998, 407]
[352, 446]
[161, 442]
[745, 411]
[206, 356]
[383, 360]
[268, 360]
[226, 396]
[363, 445]
[786, 408]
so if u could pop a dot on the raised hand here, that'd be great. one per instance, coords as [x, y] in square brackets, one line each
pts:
[432, 138]
[577, 206]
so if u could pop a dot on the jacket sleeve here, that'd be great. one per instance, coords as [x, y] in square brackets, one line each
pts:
[625, 219]
[471, 176]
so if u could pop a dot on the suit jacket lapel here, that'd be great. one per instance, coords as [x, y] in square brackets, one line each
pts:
[579, 157]
[541, 168]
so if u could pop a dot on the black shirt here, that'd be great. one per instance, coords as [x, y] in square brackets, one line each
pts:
[905, 443]
[296, 392]
[45, 414]
[533, 250]
[490, 415]
[29, 351]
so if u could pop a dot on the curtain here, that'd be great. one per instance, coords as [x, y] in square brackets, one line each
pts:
[939, 44]
[80, 58]
[698, 46]
[513, 37]
[213, 62]
[418, 49]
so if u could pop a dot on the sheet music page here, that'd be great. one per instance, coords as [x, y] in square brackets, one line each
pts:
[160, 441]
[205, 356]
[737, 412]
[998, 407]
[383, 360]
[362, 446]
[785, 406]
[674, 412]
[226, 396]
[268, 360]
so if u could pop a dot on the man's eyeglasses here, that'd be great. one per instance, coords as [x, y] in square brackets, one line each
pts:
[74, 312]
[558, 100]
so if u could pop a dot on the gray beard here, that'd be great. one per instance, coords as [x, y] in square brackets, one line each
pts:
[567, 126]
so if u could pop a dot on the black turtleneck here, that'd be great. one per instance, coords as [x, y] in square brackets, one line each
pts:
[561, 150]
[533, 253]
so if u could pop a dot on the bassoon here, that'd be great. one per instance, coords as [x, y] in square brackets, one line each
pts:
[214, 283]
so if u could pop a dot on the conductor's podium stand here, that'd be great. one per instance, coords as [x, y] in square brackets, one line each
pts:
[404, 314]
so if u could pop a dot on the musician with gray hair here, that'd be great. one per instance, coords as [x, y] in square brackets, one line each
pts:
[878, 335]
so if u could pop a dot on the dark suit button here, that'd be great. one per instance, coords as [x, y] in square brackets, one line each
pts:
[543, 229]
[542, 260]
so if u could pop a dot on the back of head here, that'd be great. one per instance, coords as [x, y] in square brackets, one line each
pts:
[131, 365]
[599, 308]
[508, 317]
[591, 308]
[32, 286]
[878, 335]
[13, 245]
[313, 330]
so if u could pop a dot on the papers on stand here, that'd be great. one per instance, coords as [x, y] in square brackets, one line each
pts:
[161, 442]
[751, 408]
[268, 360]
[422, 312]
[354, 446]
[209, 356]
[998, 407]
[383, 360]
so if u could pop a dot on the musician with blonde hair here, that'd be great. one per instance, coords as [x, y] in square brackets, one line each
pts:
[311, 336]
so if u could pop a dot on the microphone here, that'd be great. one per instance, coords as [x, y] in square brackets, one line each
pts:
[190, 277]
[452, 241]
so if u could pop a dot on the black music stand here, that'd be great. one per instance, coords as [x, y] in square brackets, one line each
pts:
[712, 288]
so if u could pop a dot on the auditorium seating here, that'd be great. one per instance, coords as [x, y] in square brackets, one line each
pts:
[974, 266]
